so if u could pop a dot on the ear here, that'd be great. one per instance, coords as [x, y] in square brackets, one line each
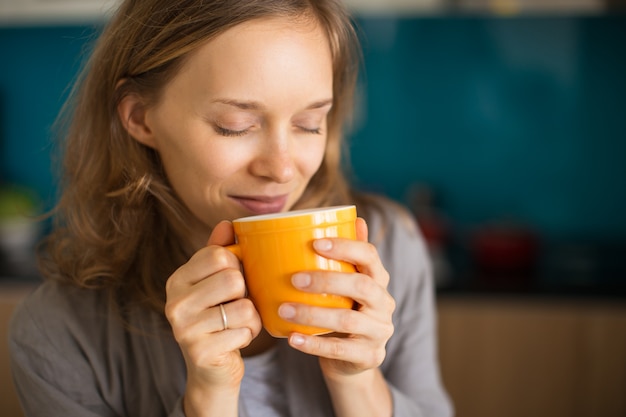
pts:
[132, 114]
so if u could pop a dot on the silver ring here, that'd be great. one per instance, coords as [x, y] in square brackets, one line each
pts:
[224, 318]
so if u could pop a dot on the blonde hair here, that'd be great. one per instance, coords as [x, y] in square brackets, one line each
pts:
[118, 223]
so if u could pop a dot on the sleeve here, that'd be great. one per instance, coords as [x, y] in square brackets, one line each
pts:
[50, 381]
[56, 373]
[411, 365]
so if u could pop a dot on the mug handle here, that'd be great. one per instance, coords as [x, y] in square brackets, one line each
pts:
[235, 249]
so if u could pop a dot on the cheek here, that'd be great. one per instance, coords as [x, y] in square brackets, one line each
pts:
[188, 151]
[312, 157]
[197, 176]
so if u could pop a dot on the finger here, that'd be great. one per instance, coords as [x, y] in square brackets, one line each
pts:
[223, 234]
[338, 320]
[362, 232]
[239, 313]
[360, 355]
[223, 286]
[204, 263]
[213, 352]
[359, 287]
[185, 301]
[362, 254]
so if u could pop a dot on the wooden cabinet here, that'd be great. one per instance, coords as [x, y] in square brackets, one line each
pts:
[533, 356]
[11, 294]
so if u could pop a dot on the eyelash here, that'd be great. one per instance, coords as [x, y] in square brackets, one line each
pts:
[230, 133]
[316, 131]
[234, 133]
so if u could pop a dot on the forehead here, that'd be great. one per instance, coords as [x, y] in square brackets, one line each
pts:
[268, 53]
[266, 33]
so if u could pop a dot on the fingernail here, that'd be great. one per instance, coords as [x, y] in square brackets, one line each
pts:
[297, 340]
[301, 280]
[286, 311]
[323, 244]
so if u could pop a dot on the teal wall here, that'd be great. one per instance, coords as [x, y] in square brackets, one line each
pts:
[521, 118]
[37, 66]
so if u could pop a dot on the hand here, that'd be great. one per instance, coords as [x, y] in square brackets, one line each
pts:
[363, 332]
[194, 294]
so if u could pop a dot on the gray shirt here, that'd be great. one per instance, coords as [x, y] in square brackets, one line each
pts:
[72, 355]
[262, 389]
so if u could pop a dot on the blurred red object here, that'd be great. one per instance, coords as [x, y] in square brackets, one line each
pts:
[505, 248]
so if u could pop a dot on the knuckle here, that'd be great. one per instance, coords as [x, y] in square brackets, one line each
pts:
[198, 355]
[246, 336]
[173, 312]
[255, 327]
[372, 252]
[304, 316]
[169, 284]
[377, 357]
[320, 282]
[175, 280]
[247, 309]
[183, 336]
[183, 339]
[348, 321]
[337, 349]
[246, 305]
[364, 286]
[386, 277]
[221, 257]
[391, 305]
[388, 331]
[235, 282]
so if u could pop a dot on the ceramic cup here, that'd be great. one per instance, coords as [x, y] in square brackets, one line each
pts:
[273, 247]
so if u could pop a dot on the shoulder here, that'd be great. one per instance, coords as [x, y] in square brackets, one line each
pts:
[74, 349]
[54, 335]
[54, 301]
[56, 314]
[392, 227]
[401, 247]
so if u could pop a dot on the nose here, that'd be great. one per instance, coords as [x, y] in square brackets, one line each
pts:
[275, 159]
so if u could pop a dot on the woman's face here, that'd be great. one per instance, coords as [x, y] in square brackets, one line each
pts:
[242, 127]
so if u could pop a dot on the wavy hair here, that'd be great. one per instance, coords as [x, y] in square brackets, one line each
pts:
[118, 224]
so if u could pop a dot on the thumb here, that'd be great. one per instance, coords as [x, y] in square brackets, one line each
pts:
[223, 234]
[361, 229]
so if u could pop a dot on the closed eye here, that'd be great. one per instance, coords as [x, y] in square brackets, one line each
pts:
[313, 131]
[228, 132]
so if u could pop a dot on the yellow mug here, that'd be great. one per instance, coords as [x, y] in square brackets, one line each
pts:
[273, 247]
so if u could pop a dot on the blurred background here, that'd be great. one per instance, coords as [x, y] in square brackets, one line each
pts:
[501, 124]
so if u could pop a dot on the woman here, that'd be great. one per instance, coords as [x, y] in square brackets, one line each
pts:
[190, 114]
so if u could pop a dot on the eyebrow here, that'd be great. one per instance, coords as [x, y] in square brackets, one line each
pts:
[254, 105]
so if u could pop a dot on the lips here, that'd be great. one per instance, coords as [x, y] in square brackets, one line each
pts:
[262, 204]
